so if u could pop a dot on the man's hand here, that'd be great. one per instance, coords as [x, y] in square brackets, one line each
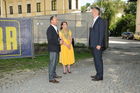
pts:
[61, 42]
[98, 47]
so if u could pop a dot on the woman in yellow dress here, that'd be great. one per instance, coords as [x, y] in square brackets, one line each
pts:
[67, 53]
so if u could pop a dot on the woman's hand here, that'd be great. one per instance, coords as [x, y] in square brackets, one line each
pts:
[69, 46]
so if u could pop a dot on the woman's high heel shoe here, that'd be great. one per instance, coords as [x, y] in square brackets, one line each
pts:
[69, 71]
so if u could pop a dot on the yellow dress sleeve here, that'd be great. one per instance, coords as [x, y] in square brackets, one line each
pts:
[70, 33]
[60, 34]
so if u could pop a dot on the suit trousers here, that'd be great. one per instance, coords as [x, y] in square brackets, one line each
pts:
[98, 61]
[52, 65]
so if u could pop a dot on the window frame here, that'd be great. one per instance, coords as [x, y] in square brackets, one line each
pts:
[54, 5]
[38, 6]
[19, 9]
[29, 8]
[11, 10]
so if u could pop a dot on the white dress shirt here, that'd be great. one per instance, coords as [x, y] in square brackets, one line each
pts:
[94, 20]
[55, 27]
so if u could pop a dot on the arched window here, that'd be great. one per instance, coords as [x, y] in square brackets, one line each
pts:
[53, 5]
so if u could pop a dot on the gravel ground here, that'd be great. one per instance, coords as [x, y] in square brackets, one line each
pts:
[121, 74]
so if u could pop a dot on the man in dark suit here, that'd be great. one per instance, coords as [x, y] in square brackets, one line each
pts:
[96, 42]
[53, 48]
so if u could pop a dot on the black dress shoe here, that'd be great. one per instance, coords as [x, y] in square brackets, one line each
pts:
[93, 76]
[58, 77]
[95, 79]
[53, 81]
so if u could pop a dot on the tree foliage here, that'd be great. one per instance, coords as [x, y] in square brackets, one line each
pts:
[131, 8]
[110, 8]
[85, 8]
[127, 22]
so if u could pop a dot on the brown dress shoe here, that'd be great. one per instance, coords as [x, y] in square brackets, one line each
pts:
[58, 77]
[93, 76]
[53, 81]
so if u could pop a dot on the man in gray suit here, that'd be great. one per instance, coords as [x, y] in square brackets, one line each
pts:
[96, 42]
[53, 48]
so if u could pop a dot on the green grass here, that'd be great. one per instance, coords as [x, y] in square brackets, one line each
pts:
[82, 53]
[38, 62]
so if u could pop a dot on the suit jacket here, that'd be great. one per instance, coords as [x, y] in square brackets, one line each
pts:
[53, 40]
[97, 33]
